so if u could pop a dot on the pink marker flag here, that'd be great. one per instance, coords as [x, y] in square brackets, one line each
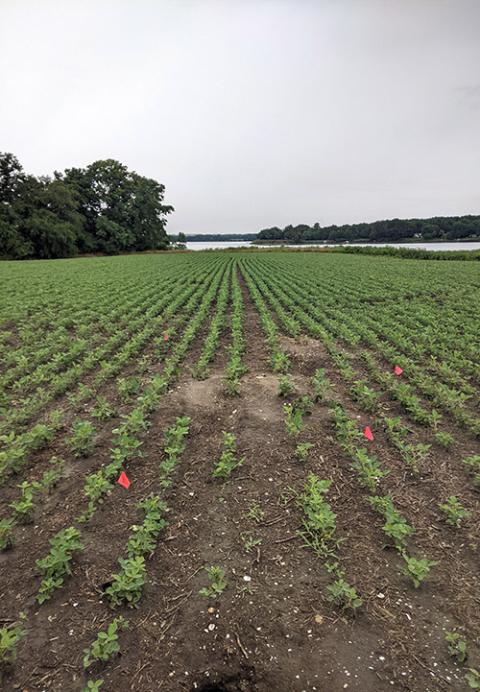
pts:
[368, 434]
[166, 336]
[397, 370]
[123, 480]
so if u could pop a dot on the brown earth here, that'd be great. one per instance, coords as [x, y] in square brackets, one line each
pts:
[273, 628]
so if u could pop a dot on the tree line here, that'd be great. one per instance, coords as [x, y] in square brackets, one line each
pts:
[435, 228]
[102, 208]
[220, 236]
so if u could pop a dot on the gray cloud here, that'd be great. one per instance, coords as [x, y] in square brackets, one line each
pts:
[253, 112]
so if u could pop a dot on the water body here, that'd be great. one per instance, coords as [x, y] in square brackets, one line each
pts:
[217, 245]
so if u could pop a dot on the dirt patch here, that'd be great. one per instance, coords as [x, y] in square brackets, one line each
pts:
[272, 628]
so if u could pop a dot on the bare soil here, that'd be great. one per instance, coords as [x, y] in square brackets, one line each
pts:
[272, 628]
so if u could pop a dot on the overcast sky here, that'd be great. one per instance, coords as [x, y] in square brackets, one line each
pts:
[253, 113]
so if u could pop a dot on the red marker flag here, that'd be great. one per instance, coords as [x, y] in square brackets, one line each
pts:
[123, 480]
[166, 336]
[397, 370]
[368, 434]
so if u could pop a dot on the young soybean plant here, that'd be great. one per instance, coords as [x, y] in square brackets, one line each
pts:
[454, 511]
[319, 533]
[127, 387]
[106, 644]
[53, 474]
[95, 487]
[7, 538]
[174, 439]
[444, 439]
[415, 455]
[321, 385]
[229, 460]
[344, 595]
[457, 647]
[473, 679]
[293, 419]
[473, 465]
[285, 386]
[417, 569]
[56, 565]
[280, 362]
[9, 638]
[396, 526]
[127, 584]
[218, 583]
[143, 537]
[302, 450]
[23, 508]
[103, 409]
[368, 469]
[233, 372]
[366, 397]
[82, 440]
[319, 520]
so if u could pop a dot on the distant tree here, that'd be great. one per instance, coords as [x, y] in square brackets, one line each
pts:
[11, 178]
[123, 210]
[148, 214]
[388, 230]
[274, 233]
[11, 175]
[104, 207]
[220, 236]
[430, 231]
[76, 181]
[50, 221]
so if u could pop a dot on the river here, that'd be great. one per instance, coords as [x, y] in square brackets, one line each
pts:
[218, 245]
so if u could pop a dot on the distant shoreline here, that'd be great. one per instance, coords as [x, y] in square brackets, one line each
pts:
[471, 239]
[210, 237]
[207, 239]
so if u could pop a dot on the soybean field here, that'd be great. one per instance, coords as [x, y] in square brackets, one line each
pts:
[239, 471]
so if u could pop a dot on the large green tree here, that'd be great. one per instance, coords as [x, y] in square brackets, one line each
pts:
[123, 210]
[101, 208]
[12, 177]
[50, 221]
